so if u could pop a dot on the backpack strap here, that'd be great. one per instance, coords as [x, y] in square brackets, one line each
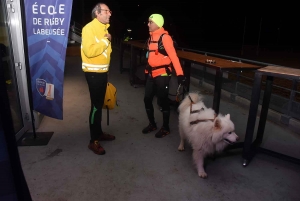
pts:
[159, 40]
[160, 45]
[160, 49]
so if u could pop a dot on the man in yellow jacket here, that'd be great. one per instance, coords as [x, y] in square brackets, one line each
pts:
[161, 54]
[95, 55]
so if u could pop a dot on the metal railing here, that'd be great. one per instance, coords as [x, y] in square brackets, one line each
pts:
[284, 100]
[237, 59]
[75, 31]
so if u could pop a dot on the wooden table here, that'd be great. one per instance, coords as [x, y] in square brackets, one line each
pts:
[190, 57]
[220, 66]
[250, 148]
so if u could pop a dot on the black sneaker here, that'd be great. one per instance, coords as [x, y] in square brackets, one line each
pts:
[162, 132]
[149, 128]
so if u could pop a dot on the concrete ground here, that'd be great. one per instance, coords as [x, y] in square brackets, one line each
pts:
[140, 167]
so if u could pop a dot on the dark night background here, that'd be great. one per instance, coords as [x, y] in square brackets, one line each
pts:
[206, 25]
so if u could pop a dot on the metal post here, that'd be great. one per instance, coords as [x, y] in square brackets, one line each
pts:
[285, 118]
[264, 110]
[247, 151]
[217, 90]
[187, 73]
[292, 96]
[233, 95]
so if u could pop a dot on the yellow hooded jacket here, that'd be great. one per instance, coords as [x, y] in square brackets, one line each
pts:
[95, 48]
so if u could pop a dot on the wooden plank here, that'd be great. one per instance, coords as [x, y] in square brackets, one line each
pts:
[219, 62]
[281, 70]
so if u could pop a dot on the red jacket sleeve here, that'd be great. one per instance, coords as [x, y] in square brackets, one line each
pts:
[169, 47]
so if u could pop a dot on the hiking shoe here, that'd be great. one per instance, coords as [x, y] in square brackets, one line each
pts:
[162, 133]
[106, 137]
[149, 128]
[96, 148]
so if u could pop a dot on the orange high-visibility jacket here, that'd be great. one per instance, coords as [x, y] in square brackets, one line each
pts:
[156, 59]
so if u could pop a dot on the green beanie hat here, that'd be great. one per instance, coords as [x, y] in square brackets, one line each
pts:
[158, 19]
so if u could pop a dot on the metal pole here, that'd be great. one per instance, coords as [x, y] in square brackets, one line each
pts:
[292, 96]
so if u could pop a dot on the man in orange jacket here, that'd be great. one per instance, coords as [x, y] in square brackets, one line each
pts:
[161, 54]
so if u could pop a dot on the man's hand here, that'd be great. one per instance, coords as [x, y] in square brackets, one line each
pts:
[108, 36]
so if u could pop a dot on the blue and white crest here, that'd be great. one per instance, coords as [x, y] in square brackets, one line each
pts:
[41, 86]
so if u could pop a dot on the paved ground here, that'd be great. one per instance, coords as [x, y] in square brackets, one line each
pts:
[142, 167]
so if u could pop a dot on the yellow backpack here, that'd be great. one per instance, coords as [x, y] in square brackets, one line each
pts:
[110, 99]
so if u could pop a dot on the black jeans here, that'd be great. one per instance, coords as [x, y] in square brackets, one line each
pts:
[158, 86]
[97, 83]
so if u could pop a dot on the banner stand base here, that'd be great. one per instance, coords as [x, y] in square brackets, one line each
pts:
[42, 139]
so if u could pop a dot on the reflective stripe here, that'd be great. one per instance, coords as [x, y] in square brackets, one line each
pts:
[93, 114]
[165, 74]
[95, 65]
[104, 41]
[94, 69]
[104, 54]
[97, 40]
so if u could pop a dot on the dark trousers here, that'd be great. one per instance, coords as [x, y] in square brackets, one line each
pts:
[97, 83]
[158, 86]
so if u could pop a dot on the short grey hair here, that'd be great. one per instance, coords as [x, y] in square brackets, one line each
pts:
[97, 8]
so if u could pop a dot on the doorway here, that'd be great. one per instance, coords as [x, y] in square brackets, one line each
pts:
[13, 62]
